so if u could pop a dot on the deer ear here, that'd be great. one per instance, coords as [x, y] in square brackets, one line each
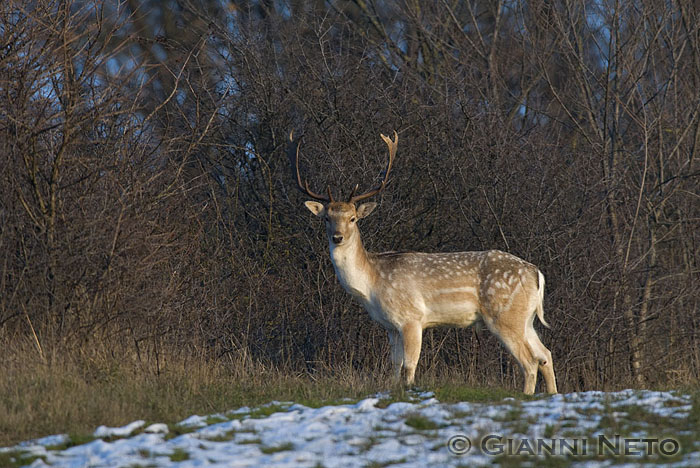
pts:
[315, 207]
[365, 209]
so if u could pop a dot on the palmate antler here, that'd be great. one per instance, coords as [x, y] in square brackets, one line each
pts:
[293, 153]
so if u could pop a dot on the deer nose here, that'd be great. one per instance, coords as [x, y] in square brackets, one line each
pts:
[337, 238]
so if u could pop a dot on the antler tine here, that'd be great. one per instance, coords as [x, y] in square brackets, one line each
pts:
[393, 145]
[293, 154]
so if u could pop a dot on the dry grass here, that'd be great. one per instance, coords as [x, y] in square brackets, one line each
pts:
[74, 392]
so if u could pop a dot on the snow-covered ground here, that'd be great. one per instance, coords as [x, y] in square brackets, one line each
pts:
[578, 428]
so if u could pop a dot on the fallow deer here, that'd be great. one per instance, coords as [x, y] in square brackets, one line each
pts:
[407, 292]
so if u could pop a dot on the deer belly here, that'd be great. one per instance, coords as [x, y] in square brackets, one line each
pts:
[377, 314]
[457, 308]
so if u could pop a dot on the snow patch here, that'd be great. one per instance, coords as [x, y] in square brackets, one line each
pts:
[358, 434]
[104, 431]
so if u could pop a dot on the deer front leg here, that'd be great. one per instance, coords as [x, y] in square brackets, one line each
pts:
[412, 335]
[396, 344]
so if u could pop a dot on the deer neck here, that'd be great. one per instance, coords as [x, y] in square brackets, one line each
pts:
[353, 268]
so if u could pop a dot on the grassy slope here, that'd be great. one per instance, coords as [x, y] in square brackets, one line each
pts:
[76, 394]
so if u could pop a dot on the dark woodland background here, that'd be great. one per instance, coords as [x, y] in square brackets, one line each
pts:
[147, 202]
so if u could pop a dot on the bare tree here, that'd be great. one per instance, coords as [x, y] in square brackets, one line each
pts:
[147, 193]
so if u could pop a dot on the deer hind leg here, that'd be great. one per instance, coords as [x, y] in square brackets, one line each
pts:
[545, 364]
[396, 344]
[412, 336]
[512, 337]
[529, 366]
[522, 352]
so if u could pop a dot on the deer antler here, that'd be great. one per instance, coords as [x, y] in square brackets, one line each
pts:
[392, 152]
[293, 154]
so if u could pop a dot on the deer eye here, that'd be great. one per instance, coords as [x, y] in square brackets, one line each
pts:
[353, 219]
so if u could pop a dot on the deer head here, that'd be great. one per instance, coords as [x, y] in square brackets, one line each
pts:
[341, 216]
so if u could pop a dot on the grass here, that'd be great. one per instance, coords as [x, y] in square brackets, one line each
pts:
[74, 392]
[215, 419]
[254, 441]
[453, 392]
[179, 455]
[17, 458]
[421, 423]
[222, 437]
[375, 464]
[277, 448]
[265, 411]
[175, 430]
[72, 441]
[694, 416]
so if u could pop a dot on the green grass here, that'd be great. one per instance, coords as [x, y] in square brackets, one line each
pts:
[452, 393]
[249, 441]
[175, 430]
[215, 419]
[266, 410]
[396, 395]
[225, 437]
[421, 423]
[694, 416]
[376, 464]
[72, 441]
[314, 402]
[17, 458]
[549, 431]
[179, 455]
[277, 448]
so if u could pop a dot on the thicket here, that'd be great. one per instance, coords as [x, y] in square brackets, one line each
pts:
[147, 203]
